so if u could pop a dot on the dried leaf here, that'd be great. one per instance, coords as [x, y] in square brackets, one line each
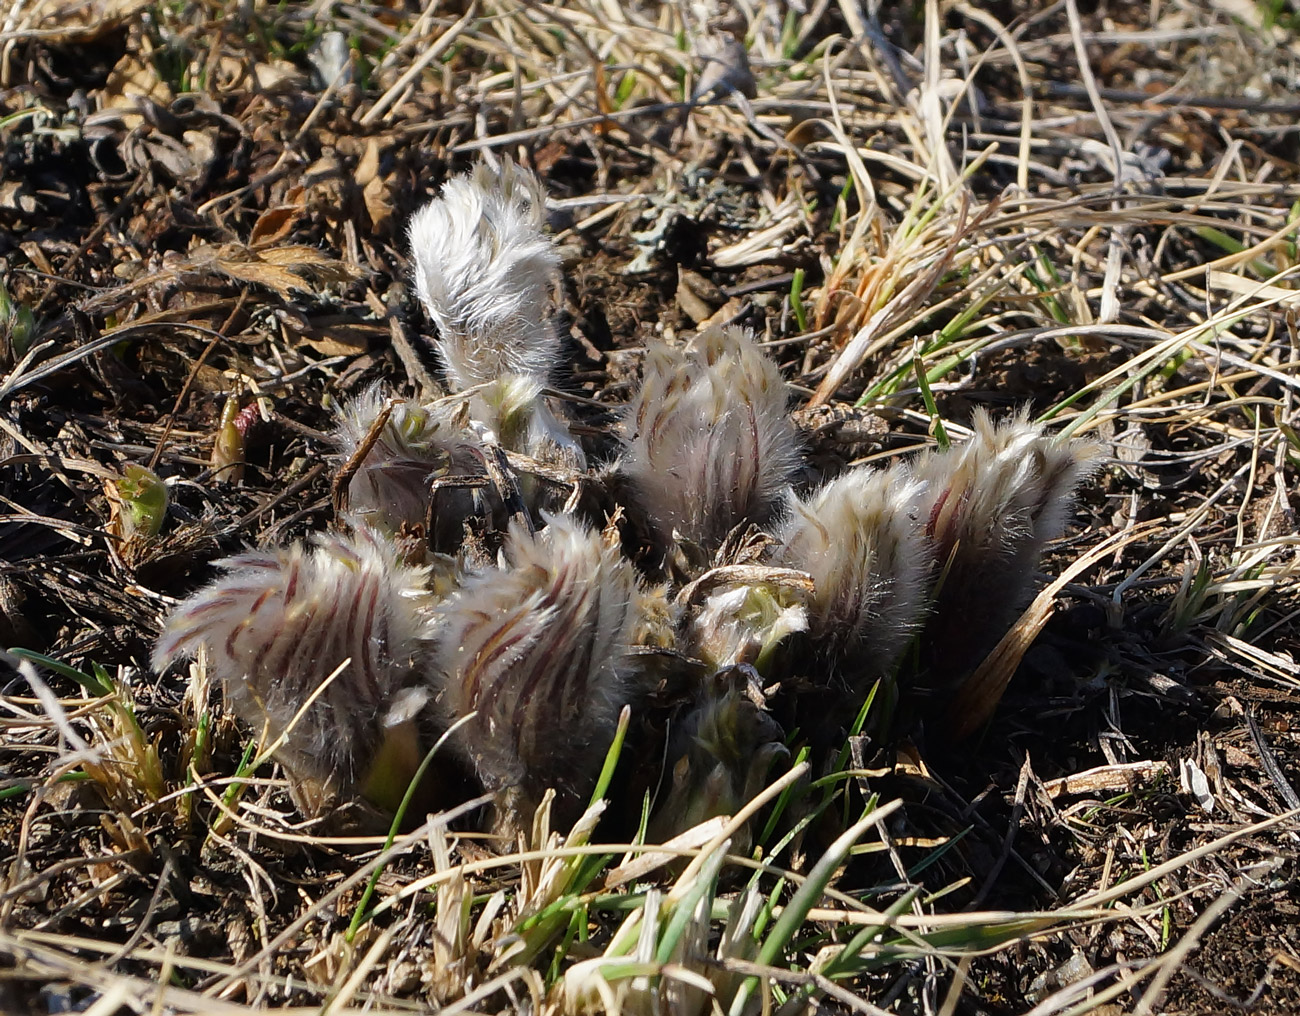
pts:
[368, 166]
[378, 203]
[132, 78]
[277, 222]
[283, 269]
[62, 22]
[344, 340]
[697, 296]
[278, 76]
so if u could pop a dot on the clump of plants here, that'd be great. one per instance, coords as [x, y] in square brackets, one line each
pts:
[476, 596]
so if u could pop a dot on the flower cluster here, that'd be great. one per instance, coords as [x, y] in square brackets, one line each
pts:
[356, 652]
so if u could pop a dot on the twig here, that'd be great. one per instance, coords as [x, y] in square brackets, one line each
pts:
[1266, 757]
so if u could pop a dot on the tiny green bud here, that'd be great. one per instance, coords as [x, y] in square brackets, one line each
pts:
[228, 448]
[141, 499]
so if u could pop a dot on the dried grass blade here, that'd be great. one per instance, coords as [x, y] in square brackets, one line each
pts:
[979, 695]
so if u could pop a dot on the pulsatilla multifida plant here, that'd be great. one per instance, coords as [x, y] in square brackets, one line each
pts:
[488, 278]
[986, 511]
[539, 653]
[708, 443]
[857, 538]
[532, 635]
[414, 444]
[722, 751]
[314, 645]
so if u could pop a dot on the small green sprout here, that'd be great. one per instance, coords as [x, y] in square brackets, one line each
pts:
[796, 300]
[140, 503]
[228, 447]
[17, 326]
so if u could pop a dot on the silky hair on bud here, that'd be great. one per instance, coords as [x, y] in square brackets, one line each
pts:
[549, 438]
[540, 650]
[989, 507]
[1010, 483]
[279, 623]
[709, 445]
[391, 484]
[520, 417]
[858, 539]
[487, 275]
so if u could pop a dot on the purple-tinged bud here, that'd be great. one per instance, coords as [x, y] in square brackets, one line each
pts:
[858, 539]
[709, 445]
[989, 507]
[541, 649]
[280, 623]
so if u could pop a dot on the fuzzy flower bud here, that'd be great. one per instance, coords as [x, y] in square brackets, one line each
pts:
[417, 443]
[988, 509]
[280, 623]
[709, 445]
[857, 537]
[540, 648]
[487, 274]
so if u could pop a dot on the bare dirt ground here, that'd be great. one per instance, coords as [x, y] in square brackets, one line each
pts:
[1089, 211]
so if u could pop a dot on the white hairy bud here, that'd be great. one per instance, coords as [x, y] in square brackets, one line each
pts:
[989, 507]
[418, 443]
[540, 650]
[280, 623]
[487, 275]
[858, 539]
[709, 445]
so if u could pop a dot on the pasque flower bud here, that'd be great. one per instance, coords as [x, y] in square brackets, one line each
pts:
[540, 649]
[858, 538]
[280, 623]
[486, 274]
[988, 508]
[418, 442]
[488, 277]
[719, 756]
[743, 622]
[708, 443]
